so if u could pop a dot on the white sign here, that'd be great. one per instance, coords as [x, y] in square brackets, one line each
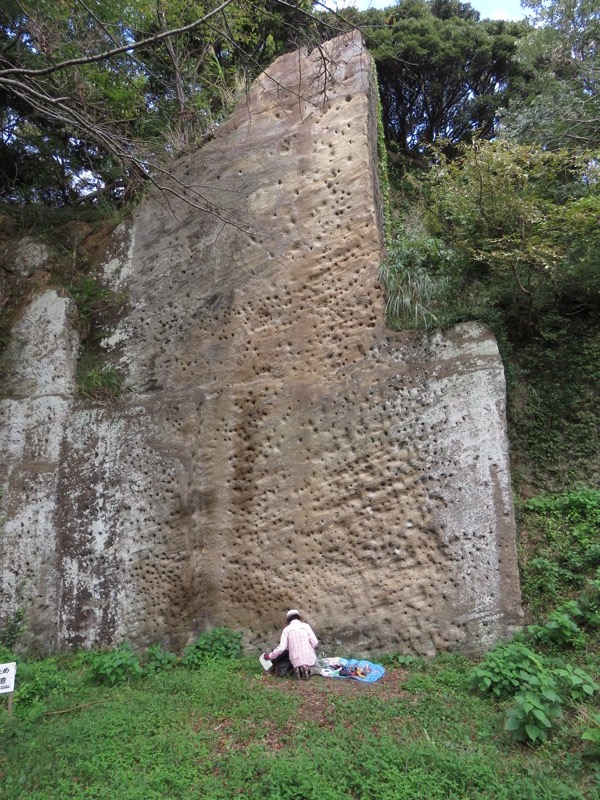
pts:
[7, 677]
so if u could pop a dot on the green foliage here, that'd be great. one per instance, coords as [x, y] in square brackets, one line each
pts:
[540, 686]
[6, 655]
[216, 643]
[533, 715]
[12, 629]
[443, 73]
[574, 683]
[158, 660]
[100, 383]
[509, 667]
[222, 732]
[511, 215]
[415, 279]
[593, 735]
[560, 628]
[89, 296]
[98, 128]
[589, 603]
[115, 667]
[398, 660]
[565, 528]
[36, 681]
[555, 426]
[559, 105]
[97, 308]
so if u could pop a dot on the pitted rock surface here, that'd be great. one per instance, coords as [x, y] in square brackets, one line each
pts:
[277, 446]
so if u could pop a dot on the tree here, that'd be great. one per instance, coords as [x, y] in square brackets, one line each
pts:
[93, 93]
[443, 73]
[561, 107]
[522, 222]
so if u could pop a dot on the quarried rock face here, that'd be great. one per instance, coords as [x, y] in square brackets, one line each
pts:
[277, 446]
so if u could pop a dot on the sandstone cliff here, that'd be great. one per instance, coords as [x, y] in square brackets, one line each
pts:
[276, 445]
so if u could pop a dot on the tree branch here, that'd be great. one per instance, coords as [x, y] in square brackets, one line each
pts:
[107, 54]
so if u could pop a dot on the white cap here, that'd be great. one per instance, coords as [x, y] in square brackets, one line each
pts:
[292, 612]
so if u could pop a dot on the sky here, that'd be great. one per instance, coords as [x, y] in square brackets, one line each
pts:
[489, 9]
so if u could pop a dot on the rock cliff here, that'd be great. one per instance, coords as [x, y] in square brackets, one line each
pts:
[276, 445]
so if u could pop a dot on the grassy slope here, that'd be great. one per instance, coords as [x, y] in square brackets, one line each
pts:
[227, 731]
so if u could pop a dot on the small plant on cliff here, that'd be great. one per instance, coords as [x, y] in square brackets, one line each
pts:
[414, 288]
[101, 382]
[217, 643]
[116, 666]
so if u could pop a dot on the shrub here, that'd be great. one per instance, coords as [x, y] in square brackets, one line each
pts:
[532, 717]
[37, 680]
[158, 660]
[217, 643]
[540, 687]
[397, 660]
[506, 669]
[12, 629]
[116, 666]
[575, 682]
[560, 628]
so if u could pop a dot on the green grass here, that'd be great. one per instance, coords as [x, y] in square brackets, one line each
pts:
[226, 731]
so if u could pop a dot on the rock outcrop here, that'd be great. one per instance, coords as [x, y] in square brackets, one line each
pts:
[276, 445]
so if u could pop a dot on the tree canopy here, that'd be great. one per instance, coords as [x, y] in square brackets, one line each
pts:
[443, 73]
[561, 106]
[510, 225]
[93, 93]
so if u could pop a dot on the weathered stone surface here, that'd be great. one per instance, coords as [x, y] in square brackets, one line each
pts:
[25, 257]
[277, 446]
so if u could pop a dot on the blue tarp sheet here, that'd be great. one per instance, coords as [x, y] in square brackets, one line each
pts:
[358, 670]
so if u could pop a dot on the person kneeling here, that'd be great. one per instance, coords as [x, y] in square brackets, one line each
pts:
[296, 648]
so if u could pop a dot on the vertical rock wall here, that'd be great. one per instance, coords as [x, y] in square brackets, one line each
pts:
[276, 446]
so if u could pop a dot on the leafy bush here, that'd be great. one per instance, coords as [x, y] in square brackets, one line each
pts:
[533, 715]
[575, 683]
[540, 686]
[565, 527]
[506, 669]
[12, 629]
[593, 735]
[217, 643]
[116, 666]
[158, 660]
[37, 680]
[397, 660]
[560, 628]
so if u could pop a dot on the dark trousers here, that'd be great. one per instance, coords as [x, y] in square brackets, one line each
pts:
[282, 665]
